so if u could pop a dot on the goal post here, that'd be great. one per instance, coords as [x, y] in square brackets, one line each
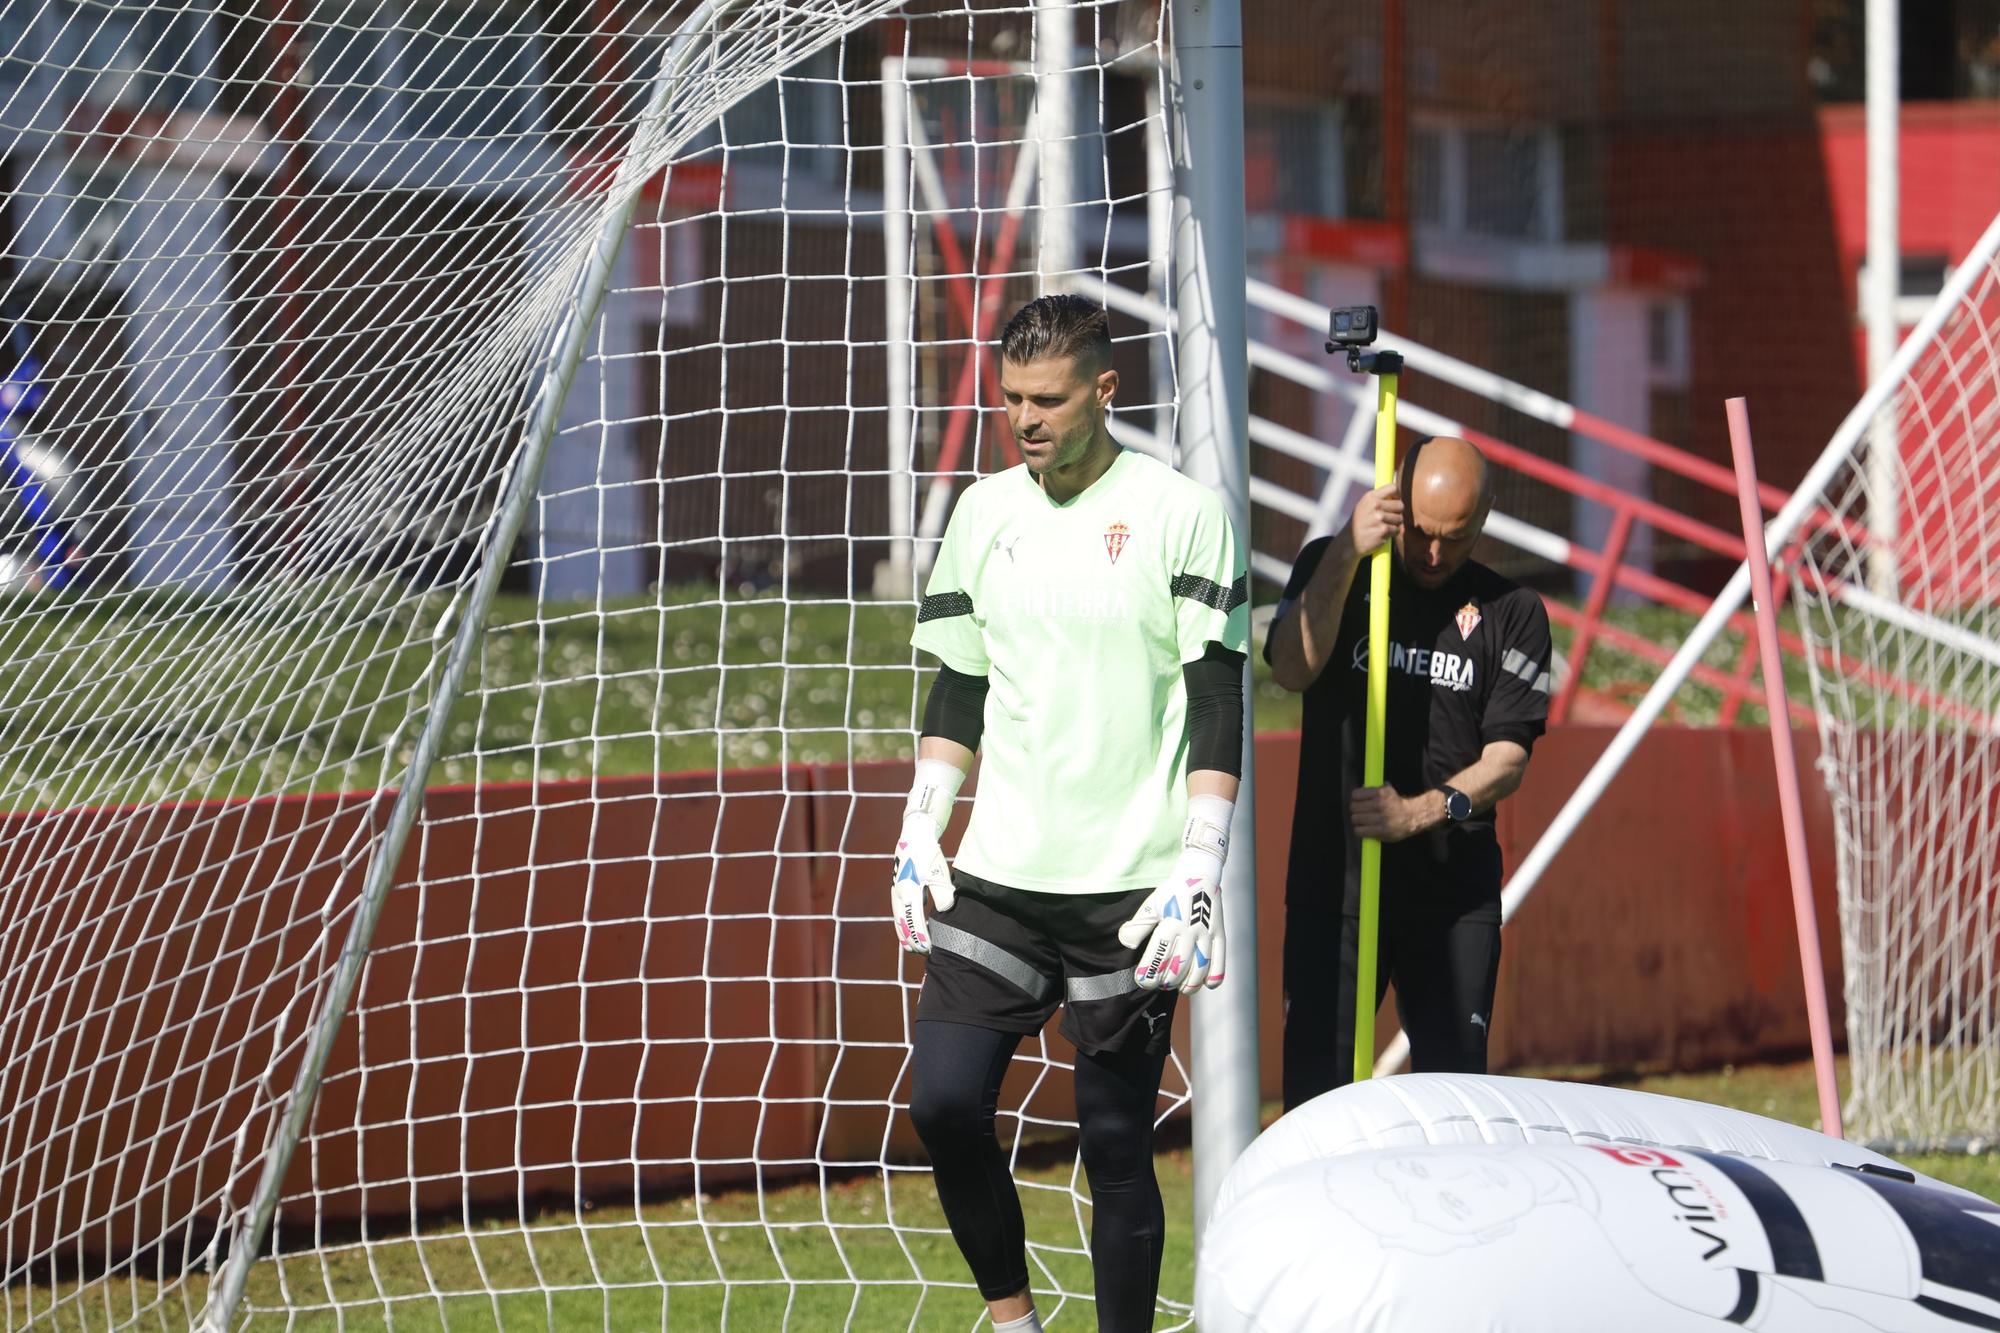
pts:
[455, 721]
[1212, 342]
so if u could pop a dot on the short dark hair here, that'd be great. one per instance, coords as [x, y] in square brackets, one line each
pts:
[1059, 325]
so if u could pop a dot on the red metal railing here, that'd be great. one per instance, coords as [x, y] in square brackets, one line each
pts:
[1610, 570]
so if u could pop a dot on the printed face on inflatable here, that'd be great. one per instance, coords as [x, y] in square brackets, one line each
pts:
[1459, 1196]
[1435, 1201]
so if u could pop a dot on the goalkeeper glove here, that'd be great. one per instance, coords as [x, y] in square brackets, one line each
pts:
[920, 862]
[1180, 922]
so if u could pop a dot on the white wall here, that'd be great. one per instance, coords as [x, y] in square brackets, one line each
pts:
[177, 306]
[593, 516]
[1611, 375]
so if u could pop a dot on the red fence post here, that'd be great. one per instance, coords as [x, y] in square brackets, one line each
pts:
[1790, 802]
[1610, 560]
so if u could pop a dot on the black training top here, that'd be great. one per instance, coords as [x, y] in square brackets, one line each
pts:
[1470, 666]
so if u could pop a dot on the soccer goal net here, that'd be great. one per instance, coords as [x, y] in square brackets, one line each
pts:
[465, 477]
[1898, 596]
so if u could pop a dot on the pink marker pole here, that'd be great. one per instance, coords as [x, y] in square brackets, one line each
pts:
[1787, 762]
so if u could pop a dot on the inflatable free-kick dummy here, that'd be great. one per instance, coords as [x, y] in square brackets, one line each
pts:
[1463, 1204]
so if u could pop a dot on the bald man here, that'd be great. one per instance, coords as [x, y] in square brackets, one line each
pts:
[1468, 695]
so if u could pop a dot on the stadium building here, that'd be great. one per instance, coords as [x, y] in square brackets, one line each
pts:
[1632, 206]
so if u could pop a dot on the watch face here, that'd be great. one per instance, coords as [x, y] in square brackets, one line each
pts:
[1457, 806]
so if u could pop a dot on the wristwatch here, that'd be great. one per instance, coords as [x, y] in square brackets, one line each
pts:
[1457, 805]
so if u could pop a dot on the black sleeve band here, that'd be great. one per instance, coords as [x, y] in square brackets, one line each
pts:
[1210, 593]
[956, 709]
[1215, 710]
[944, 605]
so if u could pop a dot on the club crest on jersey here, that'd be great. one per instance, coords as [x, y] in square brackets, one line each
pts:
[1115, 538]
[1468, 620]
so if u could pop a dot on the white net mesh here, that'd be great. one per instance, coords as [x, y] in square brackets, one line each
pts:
[282, 283]
[1895, 592]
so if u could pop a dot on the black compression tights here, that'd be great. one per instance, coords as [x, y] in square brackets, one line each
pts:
[955, 1077]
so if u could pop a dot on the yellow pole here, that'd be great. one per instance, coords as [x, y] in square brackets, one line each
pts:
[1377, 722]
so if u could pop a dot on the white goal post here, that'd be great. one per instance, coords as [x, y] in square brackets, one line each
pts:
[454, 718]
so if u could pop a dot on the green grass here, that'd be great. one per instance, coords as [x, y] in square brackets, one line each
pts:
[797, 1258]
[785, 1258]
[138, 697]
[1787, 1092]
[1943, 685]
[135, 698]
[1626, 676]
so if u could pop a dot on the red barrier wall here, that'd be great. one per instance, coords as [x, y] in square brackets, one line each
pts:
[656, 982]
[573, 988]
[1663, 932]
[580, 991]
[143, 982]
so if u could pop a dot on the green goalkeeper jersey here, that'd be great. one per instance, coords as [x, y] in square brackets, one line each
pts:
[1081, 615]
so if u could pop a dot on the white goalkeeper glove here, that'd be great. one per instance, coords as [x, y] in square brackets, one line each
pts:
[920, 861]
[1184, 915]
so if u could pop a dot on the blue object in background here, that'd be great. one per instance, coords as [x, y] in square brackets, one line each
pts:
[26, 489]
[21, 392]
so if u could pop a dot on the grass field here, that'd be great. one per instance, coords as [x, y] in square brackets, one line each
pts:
[134, 699]
[126, 700]
[798, 1258]
[1787, 1092]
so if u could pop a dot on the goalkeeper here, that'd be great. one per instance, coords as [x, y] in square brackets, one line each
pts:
[1468, 695]
[1088, 608]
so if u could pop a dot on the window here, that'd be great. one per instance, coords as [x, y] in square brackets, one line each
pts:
[1427, 176]
[160, 56]
[1293, 159]
[1667, 343]
[800, 111]
[19, 49]
[474, 73]
[66, 220]
[177, 45]
[1505, 190]
[454, 71]
[1922, 277]
[1486, 180]
[353, 67]
[1947, 50]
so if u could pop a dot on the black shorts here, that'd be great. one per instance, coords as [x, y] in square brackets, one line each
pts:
[1006, 959]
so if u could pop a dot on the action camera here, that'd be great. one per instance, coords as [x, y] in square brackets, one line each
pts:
[1350, 326]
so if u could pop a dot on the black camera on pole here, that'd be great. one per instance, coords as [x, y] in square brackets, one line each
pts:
[1350, 326]
[1353, 327]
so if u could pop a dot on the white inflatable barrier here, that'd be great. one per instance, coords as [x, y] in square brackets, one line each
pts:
[1448, 1202]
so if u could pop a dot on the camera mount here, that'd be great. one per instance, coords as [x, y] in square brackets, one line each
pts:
[1351, 328]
